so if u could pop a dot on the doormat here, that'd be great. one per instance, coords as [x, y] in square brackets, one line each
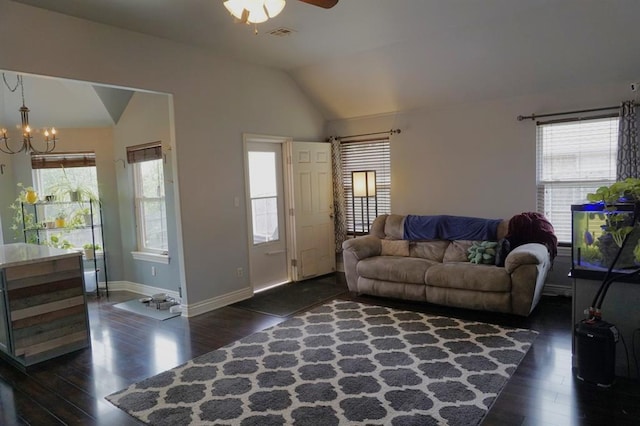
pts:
[343, 363]
[140, 308]
[288, 299]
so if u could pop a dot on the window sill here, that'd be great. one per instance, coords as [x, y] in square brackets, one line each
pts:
[151, 257]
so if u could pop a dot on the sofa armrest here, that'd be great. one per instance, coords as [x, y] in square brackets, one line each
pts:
[526, 254]
[353, 251]
[363, 247]
[528, 265]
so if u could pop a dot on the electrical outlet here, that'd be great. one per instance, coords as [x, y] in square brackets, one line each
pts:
[239, 272]
[153, 271]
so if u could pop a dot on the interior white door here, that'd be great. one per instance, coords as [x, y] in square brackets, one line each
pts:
[267, 240]
[312, 210]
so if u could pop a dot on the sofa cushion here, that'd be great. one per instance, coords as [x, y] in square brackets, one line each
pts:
[394, 248]
[469, 276]
[469, 299]
[457, 251]
[392, 289]
[410, 270]
[394, 227]
[431, 250]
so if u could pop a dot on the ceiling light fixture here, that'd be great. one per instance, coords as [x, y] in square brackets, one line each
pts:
[254, 11]
[26, 147]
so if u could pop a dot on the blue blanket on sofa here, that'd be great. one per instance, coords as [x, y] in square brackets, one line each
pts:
[445, 227]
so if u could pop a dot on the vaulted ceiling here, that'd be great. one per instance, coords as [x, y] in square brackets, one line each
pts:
[366, 57]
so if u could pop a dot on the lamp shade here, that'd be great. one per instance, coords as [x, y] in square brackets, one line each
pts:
[364, 183]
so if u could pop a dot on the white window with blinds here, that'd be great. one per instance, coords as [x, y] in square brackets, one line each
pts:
[574, 158]
[360, 156]
[150, 203]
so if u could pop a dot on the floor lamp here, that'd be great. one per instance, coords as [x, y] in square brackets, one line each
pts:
[363, 184]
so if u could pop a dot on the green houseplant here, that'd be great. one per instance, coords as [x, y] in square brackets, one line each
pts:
[68, 188]
[90, 250]
[58, 242]
[23, 219]
[61, 217]
[618, 224]
[628, 191]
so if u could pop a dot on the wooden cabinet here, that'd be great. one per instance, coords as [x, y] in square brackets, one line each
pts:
[44, 311]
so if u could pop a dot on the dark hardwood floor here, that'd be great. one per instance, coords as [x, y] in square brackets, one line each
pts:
[127, 348]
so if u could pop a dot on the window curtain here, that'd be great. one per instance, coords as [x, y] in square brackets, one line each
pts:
[628, 164]
[339, 218]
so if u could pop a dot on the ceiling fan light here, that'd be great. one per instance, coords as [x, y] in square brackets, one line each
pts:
[235, 7]
[257, 12]
[274, 7]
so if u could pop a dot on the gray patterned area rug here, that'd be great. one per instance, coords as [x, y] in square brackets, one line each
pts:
[341, 363]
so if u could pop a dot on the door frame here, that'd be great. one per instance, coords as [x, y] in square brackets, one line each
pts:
[287, 180]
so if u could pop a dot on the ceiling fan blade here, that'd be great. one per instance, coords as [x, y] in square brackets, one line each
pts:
[327, 4]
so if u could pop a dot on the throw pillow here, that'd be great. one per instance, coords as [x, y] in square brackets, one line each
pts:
[457, 251]
[482, 252]
[395, 247]
[503, 249]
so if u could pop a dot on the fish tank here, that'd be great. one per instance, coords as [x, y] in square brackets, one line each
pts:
[598, 233]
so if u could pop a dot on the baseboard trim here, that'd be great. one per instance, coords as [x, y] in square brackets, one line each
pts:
[556, 290]
[143, 289]
[214, 303]
[187, 310]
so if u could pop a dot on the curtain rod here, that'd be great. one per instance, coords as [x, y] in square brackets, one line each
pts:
[574, 119]
[389, 132]
[534, 116]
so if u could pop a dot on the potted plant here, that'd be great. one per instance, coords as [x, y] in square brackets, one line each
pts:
[90, 250]
[61, 217]
[618, 224]
[23, 219]
[85, 214]
[31, 196]
[72, 189]
[58, 242]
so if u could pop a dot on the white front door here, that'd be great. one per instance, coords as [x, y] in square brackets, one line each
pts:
[314, 247]
[268, 259]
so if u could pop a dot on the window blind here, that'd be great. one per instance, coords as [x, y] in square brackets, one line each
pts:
[63, 159]
[573, 158]
[369, 155]
[145, 152]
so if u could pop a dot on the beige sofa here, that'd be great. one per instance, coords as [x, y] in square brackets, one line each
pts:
[438, 271]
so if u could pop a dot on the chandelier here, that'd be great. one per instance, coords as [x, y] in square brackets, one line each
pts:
[26, 146]
[254, 11]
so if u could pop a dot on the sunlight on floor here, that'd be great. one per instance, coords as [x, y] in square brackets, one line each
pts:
[165, 352]
[271, 286]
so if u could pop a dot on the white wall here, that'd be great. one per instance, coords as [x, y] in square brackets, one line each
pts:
[474, 159]
[215, 100]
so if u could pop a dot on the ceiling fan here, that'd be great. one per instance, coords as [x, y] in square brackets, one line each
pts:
[258, 11]
[327, 4]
